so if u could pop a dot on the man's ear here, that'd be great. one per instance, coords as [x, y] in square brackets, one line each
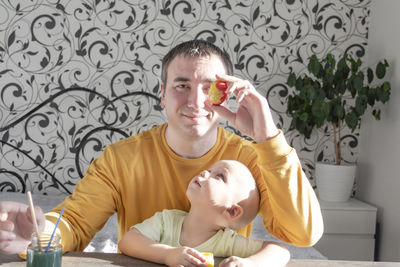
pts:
[234, 212]
[162, 104]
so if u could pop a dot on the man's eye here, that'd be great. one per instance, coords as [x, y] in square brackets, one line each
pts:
[182, 86]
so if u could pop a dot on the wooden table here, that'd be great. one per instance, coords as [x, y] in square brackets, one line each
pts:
[80, 259]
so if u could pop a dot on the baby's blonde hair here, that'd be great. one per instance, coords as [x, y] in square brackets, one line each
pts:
[250, 204]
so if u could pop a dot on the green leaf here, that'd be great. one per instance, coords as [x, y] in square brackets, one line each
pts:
[299, 84]
[371, 96]
[351, 120]
[304, 116]
[386, 87]
[383, 92]
[316, 108]
[314, 66]
[370, 75]
[380, 70]
[358, 81]
[341, 86]
[292, 124]
[361, 104]
[311, 92]
[377, 114]
[330, 60]
[325, 109]
[339, 111]
[291, 81]
[319, 121]
[301, 126]
[329, 78]
[342, 64]
[350, 86]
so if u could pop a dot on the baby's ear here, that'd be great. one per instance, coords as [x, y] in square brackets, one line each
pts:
[234, 212]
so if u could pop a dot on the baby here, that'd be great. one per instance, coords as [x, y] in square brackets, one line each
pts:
[223, 199]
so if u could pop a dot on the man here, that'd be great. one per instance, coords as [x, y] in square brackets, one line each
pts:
[147, 173]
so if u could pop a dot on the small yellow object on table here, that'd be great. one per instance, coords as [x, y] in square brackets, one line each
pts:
[209, 259]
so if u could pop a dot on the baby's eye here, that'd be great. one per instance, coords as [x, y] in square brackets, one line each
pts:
[221, 176]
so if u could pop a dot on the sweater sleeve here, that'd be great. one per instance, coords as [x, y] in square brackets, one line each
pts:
[92, 202]
[288, 206]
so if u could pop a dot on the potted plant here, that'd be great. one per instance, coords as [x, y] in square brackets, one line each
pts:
[337, 93]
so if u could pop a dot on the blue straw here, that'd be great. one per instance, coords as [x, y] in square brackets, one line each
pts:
[54, 231]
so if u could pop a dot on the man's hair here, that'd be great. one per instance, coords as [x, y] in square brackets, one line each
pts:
[195, 48]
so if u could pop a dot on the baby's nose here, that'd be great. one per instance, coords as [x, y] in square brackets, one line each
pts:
[205, 174]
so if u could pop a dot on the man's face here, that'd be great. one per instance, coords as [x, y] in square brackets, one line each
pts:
[185, 95]
[224, 184]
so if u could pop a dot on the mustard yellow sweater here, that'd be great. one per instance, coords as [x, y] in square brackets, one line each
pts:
[141, 175]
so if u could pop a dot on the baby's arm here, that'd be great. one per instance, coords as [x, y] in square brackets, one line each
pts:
[270, 254]
[137, 245]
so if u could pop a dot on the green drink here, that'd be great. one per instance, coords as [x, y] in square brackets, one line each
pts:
[52, 258]
[38, 257]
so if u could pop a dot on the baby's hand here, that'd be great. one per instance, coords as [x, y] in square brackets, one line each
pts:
[185, 256]
[237, 262]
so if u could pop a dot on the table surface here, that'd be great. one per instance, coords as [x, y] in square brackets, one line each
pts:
[80, 259]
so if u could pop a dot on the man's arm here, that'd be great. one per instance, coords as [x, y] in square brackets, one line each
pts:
[93, 201]
[137, 245]
[288, 205]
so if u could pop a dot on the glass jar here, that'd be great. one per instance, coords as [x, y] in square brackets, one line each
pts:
[40, 254]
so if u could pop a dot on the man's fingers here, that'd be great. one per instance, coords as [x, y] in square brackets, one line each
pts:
[241, 95]
[227, 78]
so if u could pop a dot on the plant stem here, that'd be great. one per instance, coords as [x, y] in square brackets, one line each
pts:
[336, 142]
[339, 154]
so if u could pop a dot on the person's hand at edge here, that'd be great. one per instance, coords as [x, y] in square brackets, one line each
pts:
[16, 226]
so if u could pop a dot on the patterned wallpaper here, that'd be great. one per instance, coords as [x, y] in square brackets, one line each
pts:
[76, 76]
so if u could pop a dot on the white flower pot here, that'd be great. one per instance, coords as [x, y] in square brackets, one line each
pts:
[334, 182]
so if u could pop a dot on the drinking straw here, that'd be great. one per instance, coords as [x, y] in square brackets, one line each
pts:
[55, 228]
[34, 218]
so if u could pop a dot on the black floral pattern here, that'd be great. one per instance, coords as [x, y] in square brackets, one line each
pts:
[76, 76]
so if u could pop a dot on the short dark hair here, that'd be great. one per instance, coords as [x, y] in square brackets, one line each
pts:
[195, 48]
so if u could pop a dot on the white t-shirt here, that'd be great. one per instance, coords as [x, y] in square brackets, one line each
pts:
[165, 227]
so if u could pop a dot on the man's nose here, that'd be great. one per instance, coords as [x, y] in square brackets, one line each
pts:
[198, 97]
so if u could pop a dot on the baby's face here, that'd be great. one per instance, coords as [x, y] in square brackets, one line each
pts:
[225, 183]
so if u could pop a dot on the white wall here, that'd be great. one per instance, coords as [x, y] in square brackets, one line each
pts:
[378, 179]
